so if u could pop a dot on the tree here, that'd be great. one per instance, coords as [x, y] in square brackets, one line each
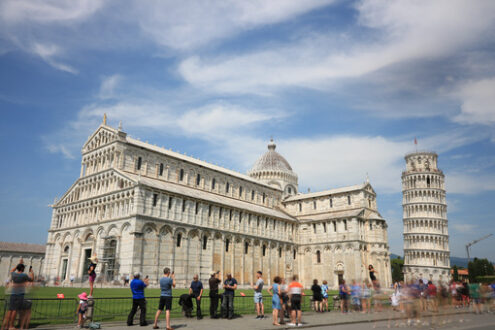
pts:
[396, 265]
[479, 267]
[456, 274]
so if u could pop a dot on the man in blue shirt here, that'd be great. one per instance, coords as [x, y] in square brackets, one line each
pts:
[167, 282]
[230, 285]
[137, 288]
[196, 290]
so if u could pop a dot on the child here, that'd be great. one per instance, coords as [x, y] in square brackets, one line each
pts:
[82, 308]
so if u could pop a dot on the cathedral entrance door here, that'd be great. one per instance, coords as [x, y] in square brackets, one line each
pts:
[87, 255]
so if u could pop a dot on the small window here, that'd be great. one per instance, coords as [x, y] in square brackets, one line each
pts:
[181, 174]
[264, 250]
[300, 207]
[169, 203]
[160, 172]
[227, 242]
[227, 187]
[280, 252]
[252, 195]
[246, 247]
[349, 200]
[335, 226]
[258, 222]
[371, 225]
[324, 227]
[198, 179]
[294, 254]
[183, 205]
[213, 183]
[314, 205]
[205, 242]
[345, 224]
[314, 228]
[369, 203]
[274, 223]
[240, 217]
[209, 210]
[266, 223]
[179, 238]
[240, 191]
[196, 209]
[230, 215]
[331, 202]
[264, 197]
[318, 256]
[155, 199]
[220, 213]
[139, 163]
[290, 190]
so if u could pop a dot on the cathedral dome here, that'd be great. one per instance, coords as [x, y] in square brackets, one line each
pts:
[271, 161]
[274, 169]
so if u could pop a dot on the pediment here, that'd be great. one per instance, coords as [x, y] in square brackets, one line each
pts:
[369, 189]
[73, 193]
[102, 136]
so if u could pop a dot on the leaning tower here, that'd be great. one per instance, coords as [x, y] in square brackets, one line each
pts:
[426, 236]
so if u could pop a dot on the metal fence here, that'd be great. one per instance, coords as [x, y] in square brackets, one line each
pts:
[63, 311]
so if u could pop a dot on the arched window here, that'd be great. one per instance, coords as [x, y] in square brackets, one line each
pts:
[331, 202]
[160, 172]
[227, 242]
[179, 238]
[139, 163]
[318, 256]
[264, 197]
[246, 247]
[252, 195]
[213, 182]
[294, 254]
[300, 207]
[349, 200]
[314, 205]
[181, 174]
[198, 179]
[227, 187]
[290, 190]
[280, 252]
[205, 242]
[264, 250]
[240, 191]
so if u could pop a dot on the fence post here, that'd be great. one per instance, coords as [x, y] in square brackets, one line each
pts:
[89, 312]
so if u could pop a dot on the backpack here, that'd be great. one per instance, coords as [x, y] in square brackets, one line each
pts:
[94, 325]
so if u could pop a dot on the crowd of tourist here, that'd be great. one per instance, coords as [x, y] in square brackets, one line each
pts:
[405, 301]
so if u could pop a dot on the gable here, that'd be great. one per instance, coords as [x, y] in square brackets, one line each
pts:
[102, 136]
[73, 194]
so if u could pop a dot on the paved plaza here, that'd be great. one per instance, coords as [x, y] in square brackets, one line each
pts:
[451, 319]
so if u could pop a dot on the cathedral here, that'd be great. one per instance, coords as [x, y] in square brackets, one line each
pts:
[141, 208]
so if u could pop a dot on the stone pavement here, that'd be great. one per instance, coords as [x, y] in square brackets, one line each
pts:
[310, 320]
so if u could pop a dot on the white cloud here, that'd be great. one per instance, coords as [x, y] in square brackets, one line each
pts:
[464, 227]
[109, 85]
[461, 183]
[48, 52]
[478, 102]
[191, 24]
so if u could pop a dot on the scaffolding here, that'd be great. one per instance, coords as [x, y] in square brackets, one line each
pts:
[110, 266]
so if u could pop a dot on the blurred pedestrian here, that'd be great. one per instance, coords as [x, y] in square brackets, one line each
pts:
[258, 295]
[167, 282]
[138, 300]
[324, 294]
[474, 295]
[317, 297]
[213, 282]
[196, 290]
[366, 296]
[19, 281]
[344, 295]
[274, 291]
[355, 296]
[82, 307]
[229, 285]
[295, 298]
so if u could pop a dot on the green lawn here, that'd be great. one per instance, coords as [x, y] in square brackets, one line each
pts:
[113, 304]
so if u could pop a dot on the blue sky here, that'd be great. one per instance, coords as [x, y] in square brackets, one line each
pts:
[343, 86]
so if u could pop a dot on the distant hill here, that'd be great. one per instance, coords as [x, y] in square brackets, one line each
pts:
[457, 261]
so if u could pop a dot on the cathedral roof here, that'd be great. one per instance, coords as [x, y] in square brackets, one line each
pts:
[22, 247]
[271, 161]
[327, 192]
